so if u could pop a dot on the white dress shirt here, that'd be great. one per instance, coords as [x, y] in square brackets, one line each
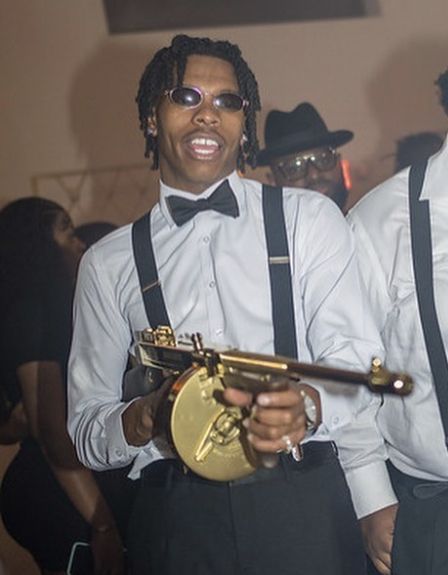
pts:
[412, 425]
[215, 280]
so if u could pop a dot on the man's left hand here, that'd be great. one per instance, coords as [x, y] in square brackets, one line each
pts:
[275, 416]
[378, 533]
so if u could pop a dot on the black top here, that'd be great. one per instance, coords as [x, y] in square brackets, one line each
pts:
[36, 328]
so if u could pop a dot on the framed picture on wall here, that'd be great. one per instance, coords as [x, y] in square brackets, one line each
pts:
[124, 16]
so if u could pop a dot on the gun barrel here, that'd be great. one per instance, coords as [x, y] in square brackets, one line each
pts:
[179, 359]
[378, 379]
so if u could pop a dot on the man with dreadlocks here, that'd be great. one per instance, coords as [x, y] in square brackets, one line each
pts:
[402, 233]
[207, 268]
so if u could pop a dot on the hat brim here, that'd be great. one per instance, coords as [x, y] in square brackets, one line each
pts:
[298, 143]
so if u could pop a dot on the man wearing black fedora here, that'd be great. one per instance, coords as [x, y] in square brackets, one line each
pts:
[302, 152]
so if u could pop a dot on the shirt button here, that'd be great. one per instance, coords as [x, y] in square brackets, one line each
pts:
[335, 420]
[219, 331]
[206, 239]
[119, 453]
[212, 284]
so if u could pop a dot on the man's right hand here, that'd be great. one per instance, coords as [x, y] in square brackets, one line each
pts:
[139, 417]
[378, 533]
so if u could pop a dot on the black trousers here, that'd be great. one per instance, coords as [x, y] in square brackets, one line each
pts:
[297, 519]
[420, 544]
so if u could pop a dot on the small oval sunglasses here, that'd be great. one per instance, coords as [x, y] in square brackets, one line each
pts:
[192, 97]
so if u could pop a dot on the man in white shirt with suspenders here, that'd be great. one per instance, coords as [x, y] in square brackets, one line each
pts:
[259, 269]
[401, 228]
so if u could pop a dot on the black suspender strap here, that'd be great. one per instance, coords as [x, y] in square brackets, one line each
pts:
[285, 340]
[148, 276]
[424, 280]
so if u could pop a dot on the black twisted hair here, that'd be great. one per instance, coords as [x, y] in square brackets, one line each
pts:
[414, 147]
[442, 83]
[168, 66]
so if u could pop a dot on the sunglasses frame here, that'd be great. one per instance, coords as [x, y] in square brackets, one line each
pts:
[202, 94]
[307, 159]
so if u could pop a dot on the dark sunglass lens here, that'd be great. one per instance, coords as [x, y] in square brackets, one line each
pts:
[230, 102]
[187, 97]
[326, 160]
[293, 170]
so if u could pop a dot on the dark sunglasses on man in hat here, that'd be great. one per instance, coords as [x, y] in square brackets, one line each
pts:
[296, 167]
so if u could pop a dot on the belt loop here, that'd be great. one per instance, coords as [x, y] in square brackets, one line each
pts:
[335, 448]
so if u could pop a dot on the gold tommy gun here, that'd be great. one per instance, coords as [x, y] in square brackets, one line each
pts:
[207, 433]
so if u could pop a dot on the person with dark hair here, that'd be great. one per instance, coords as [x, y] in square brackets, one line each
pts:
[166, 71]
[204, 266]
[401, 228]
[416, 147]
[442, 84]
[49, 501]
[303, 153]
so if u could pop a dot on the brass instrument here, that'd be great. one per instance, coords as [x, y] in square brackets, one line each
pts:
[207, 433]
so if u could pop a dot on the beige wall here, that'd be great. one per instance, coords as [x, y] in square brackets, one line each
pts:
[68, 87]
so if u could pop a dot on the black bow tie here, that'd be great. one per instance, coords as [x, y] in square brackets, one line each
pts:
[222, 200]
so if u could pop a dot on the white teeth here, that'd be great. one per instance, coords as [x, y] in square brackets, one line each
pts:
[204, 142]
[204, 152]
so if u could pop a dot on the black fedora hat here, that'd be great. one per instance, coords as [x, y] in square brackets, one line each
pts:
[301, 129]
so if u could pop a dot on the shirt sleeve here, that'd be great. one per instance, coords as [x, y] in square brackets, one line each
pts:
[98, 359]
[341, 332]
[372, 272]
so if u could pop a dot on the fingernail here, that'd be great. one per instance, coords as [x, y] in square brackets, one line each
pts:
[246, 422]
[263, 400]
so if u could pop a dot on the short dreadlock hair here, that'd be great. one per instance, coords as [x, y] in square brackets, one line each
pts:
[442, 83]
[168, 67]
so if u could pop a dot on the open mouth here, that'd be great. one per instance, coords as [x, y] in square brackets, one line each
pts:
[204, 147]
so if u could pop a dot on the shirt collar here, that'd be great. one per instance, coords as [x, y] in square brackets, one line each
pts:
[435, 185]
[235, 182]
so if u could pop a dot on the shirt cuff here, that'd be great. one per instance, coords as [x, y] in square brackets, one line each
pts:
[370, 488]
[119, 451]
